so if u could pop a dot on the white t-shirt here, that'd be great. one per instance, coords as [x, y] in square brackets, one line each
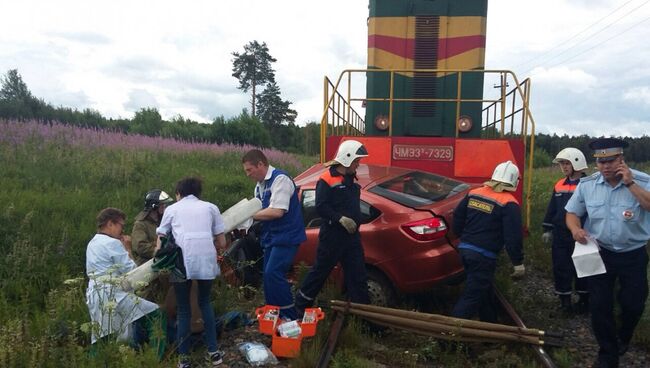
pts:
[194, 223]
[281, 190]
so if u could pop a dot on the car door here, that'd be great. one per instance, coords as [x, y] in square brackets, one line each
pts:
[307, 251]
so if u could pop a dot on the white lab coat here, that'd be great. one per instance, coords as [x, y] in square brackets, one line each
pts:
[111, 308]
[194, 223]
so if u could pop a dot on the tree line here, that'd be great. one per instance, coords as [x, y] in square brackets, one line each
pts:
[270, 124]
[548, 145]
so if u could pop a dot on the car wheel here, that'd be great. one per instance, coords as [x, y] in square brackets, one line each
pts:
[380, 290]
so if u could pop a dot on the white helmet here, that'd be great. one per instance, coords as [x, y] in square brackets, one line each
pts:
[507, 173]
[348, 151]
[154, 198]
[574, 156]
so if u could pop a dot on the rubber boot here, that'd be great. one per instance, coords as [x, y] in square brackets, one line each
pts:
[565, 304]
[582, 307]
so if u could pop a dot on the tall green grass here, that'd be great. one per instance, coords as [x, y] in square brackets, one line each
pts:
[52, 187]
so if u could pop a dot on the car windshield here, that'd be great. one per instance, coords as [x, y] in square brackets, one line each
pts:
[417, 188]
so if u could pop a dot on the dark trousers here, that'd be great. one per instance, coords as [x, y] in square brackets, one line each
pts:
[478, 295]
[277, 290]
[630, 268]
[331, 250]
[184, 313]
[564, 272]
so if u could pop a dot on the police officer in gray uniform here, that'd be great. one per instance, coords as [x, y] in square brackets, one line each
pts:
[616, 200]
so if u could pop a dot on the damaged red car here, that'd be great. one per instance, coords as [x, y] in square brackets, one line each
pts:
[405, 231]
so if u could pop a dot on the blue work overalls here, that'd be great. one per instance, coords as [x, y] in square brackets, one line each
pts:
[564, 272]
[486, 221]
[280, 239]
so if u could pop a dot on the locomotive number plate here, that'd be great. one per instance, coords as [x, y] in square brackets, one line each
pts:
[424, 153]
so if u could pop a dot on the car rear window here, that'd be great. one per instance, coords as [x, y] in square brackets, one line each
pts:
[418, 188]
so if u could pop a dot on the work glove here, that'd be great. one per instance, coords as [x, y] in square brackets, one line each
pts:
[348, 224]
[519, 272]
[547, 237]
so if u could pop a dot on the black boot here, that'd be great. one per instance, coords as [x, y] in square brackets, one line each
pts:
[623, 347]
[582, 307]
[301, 303]
[565, 304]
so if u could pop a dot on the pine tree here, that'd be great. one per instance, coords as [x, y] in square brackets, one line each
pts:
[13, 88]
[272, 110]
[253, 68]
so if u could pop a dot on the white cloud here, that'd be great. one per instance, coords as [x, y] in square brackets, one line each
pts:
[638, 95]
[110, 55]
[177, 54]
[564, 78]
[140, 98]
[597, 128]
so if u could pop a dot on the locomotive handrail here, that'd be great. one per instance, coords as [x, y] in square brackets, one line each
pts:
[347, 121]
[355, 127]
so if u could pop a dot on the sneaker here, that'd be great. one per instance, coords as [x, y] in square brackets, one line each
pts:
[215, 358]
[184, 364]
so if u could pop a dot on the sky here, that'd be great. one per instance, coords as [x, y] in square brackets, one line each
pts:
[588, 60]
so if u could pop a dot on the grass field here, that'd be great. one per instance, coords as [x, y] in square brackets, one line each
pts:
[54, 179]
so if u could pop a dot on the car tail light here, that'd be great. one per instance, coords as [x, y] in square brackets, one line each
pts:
[427, 229]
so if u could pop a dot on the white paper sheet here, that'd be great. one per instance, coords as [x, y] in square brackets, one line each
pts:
[586, 259]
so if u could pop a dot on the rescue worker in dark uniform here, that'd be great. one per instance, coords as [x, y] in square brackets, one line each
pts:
[573, 164]
[488, 218]
[616, 201]
[143, 235]
[338, 199]
[283, 228]
[144, 238]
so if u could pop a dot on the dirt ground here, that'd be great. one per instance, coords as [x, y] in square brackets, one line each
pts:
[537, 305]
[542, 311]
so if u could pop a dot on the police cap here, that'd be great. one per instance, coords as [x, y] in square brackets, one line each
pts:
[607, 149]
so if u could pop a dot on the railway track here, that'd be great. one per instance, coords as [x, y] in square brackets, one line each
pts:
[541, 354]
[231, 274]
[330, 345]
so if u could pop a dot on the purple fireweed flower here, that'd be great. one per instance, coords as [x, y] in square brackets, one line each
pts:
[15, 133]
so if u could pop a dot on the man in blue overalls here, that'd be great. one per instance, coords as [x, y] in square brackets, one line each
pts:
[616, 201]
[486, 220]
[573, 165]
[338, 199]
[283, 228]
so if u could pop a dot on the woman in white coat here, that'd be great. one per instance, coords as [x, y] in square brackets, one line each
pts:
[198, 229]
[112, 310]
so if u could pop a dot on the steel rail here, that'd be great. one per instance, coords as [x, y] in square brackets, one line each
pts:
[328, 350]
[330, 344]
[544, 358]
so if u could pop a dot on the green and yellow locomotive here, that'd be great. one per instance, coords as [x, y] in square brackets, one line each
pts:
[426, 102]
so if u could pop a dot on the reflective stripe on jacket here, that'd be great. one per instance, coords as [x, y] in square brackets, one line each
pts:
[490, 220]
[337, 195]
[555, 212]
